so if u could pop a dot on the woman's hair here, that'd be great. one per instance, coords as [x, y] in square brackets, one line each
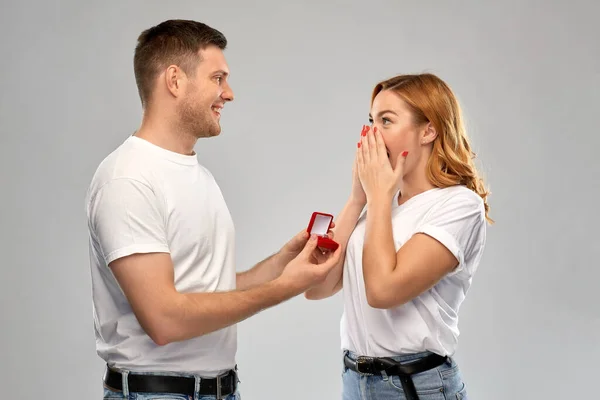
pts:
[431, 100]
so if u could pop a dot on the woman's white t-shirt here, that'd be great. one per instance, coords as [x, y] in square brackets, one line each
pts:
[454, 216]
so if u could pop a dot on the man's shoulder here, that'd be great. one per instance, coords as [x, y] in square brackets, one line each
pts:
[126, 162]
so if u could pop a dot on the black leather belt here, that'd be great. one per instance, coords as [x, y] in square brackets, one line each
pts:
[374, 366]
[220, 386]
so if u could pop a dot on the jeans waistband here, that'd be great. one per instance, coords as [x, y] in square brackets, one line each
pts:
[197, 378]
[398, 358]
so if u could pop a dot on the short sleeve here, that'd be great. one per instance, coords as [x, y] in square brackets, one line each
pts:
[459, 224]
[126, 217]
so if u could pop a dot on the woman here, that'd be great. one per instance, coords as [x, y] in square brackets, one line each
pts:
[410, 258]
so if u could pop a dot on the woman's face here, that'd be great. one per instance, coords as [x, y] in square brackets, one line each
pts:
[390, 115]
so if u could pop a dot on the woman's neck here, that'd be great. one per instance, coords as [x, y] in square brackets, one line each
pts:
[414, 183]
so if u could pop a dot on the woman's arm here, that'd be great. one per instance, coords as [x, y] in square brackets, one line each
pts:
[393, 278]
[452, 232]
[344, 226]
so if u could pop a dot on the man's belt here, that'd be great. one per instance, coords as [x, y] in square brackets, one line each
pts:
[220, 386]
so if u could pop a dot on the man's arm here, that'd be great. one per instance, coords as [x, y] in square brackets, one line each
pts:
[168, 316]
[272, 267]
[265, 271]
[127, 221]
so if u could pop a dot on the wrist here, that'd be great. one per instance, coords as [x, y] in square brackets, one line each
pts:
[357, 202]
[282, 258]
[285, 287]
[378, 200]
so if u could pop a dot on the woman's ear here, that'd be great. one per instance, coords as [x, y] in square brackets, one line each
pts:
[429, 134]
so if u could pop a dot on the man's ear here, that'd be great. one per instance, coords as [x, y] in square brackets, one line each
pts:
[175, 80]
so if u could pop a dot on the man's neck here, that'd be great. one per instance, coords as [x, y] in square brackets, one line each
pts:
[162, 132]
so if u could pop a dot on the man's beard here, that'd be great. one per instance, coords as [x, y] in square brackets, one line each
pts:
[197, 122]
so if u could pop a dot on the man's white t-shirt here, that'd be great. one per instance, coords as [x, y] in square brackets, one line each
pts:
[455, 216]
[145, 199]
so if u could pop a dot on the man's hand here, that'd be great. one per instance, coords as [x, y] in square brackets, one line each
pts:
[272, 267]
[295, 245]
[309, 268]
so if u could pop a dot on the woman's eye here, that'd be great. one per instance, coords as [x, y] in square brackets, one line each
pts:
[385, 120]
[370, 121]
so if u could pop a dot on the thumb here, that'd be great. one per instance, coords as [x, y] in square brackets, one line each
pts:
[331, 261]
[309, 247]
[400, 164]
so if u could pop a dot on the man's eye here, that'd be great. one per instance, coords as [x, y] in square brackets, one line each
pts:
[219, 78]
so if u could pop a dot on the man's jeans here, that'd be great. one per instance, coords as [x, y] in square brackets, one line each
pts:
[127, 395]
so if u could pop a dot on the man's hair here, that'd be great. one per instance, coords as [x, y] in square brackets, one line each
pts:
[172, 42]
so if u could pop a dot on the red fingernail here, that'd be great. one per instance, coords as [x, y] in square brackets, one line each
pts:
[375, 129]
[359, 145]
[404, 154]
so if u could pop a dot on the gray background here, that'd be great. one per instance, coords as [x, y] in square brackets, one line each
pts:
[527, 74]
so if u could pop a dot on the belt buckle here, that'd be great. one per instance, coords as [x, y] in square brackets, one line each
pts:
[363, 361]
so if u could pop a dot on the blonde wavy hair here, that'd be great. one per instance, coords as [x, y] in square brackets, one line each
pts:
[431, 100]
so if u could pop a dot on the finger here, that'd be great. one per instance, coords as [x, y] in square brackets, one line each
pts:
[365, 146]
[309, 247]
[321, 255]
[333, 259]
[359, 159]
[372, 146]
[363, 131]
[380, 144]
[399, 169]
[299, 239]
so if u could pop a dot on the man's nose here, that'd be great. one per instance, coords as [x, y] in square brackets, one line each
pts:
[227, 94]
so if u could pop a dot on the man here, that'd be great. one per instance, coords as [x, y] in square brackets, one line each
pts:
[165, 290]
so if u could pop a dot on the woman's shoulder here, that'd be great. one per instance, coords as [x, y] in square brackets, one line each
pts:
[460, 195]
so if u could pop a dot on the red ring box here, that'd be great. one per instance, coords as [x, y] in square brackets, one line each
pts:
[319, 225]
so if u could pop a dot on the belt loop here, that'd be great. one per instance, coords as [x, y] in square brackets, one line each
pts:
[196, 387]
[385, 375]
[125, 383]
[219, 394]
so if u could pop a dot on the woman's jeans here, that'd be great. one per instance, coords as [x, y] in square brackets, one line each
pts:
[441, 383]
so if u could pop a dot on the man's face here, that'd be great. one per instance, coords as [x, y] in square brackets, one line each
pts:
[206, 93]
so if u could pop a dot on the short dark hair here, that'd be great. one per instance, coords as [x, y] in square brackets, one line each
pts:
[176, 42]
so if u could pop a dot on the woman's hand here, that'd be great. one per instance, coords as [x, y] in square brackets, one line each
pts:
[377, 177]
[358, 195]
